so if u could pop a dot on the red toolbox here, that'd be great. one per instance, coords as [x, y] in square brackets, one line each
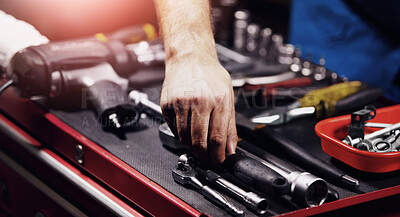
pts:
[143, 184]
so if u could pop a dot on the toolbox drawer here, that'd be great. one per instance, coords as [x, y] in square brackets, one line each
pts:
[138, 168]
[34, 181]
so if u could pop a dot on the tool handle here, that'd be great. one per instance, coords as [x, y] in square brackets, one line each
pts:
[298, 155]
[218, 199]
[324, 99]
[256, 174]
[108, 98]
[359, 100]
[302, 158]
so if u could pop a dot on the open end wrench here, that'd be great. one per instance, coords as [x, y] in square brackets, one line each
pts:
[186, 175]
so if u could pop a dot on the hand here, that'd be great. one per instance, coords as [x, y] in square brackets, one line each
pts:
[198, 105]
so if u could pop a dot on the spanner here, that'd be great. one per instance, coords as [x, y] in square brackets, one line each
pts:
[390, 144]
[250, 199]
[352, 142]
[186, 175]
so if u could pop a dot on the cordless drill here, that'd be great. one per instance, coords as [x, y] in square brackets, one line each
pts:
[96, 67]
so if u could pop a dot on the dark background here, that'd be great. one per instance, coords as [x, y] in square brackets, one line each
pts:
[65, 19]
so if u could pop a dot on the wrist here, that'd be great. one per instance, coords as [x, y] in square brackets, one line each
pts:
[190, 47]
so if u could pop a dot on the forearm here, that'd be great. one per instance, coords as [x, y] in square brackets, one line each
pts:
[186, 29]
[197, 95]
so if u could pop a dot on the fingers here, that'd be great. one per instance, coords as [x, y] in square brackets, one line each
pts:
[199, 127]
[206, 125]
[169, 117]
[232, 138]
[182, 113]
[218, 130]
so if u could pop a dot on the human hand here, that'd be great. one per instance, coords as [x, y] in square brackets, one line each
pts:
[198, 105]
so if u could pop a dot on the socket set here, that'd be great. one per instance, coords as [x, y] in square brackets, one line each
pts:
[371, 143]
[267, 49]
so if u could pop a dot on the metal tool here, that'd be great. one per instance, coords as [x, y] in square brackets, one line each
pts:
[141, 100]
[305, 187]
[320, 70]
[244, 168]
[238, 80]
[274, 49]
[265, 42]
[295, 82]
[377, 125]
[308, 66]
[296, 61]
[352, 142]
[388, 144]
[284, 90]
[323, 102]
[252, 42]
[250, 199]
[286, 53]
[241, 22]
[240, 58]
[185, 175]
[248, 170]
[295, 153]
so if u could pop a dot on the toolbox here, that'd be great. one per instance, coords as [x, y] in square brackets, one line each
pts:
[136, 168]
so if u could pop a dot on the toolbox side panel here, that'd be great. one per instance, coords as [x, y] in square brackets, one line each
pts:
[98, 162]
[20, 197]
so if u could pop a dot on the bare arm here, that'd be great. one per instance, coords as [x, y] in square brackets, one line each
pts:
[197, 94]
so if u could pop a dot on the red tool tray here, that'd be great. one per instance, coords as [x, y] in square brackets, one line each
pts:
[333, 130]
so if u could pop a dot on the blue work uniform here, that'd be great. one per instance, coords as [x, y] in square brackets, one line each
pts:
[359, 39]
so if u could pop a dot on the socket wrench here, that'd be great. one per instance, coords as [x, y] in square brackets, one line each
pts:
[250, 199]
[185, 175]
[304, 187]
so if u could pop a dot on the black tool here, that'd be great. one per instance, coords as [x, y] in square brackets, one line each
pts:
[257, 175]
[358, 119]
[305, 187]
[246, 169]
[294, 152]
[250, 199]
[89, 68]
[308, 190]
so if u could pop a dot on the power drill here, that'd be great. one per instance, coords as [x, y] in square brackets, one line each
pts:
[96, 67]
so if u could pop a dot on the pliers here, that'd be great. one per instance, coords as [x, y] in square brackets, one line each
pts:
[324, 102]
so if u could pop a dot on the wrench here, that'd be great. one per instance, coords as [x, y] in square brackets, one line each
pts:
[250, 199]
[352, 142]
[186, 175]
[390, 144]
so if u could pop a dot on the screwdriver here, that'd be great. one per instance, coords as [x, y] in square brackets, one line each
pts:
[323, 102]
